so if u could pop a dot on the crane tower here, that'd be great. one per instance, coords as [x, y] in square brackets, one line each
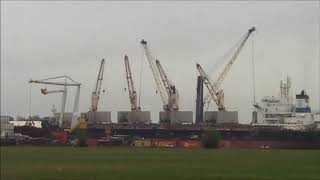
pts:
[131, 89]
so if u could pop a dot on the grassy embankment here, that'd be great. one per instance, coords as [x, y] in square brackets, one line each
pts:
[156, 163]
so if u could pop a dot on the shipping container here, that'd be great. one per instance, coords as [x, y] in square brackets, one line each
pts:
[163, 143]
[189, 144]
[92, 142]
[142, 143]
[176, 117]
[62, 136]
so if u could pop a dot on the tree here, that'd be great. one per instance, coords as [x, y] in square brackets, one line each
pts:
[81, 134]
[210, 139]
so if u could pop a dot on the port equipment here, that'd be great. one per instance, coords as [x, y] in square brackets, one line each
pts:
[67, 82]
[97, 88]
[131, 89]
[213, 87]
[167, 90]
[172, 92]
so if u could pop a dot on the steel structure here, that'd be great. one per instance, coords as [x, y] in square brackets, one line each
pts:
[172, 93]
[167, 90]
[131, 89]
[213, 87]
[65, 84]
[155, 73]
[199, 101]
[97, 88]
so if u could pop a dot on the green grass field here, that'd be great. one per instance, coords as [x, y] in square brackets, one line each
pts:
[156, 163]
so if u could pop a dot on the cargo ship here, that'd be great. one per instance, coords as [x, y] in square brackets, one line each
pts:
[232, 135]
[282, 112]
[277, 122]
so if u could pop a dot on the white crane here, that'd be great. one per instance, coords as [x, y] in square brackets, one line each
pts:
[155, 73]
[216, 95]
[44, 91]
[172, 92]
[65, 84]
[168, 93]
[97, 88]
[214, 86]
[131, 89]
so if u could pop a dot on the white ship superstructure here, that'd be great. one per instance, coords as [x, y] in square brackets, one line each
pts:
[282, 112]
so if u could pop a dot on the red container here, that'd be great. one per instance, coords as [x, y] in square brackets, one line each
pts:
[189, 144]
[92, 142]
[61, 136]
[163, 143]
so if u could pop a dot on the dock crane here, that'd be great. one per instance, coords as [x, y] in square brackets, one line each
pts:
[167, 90]
[65, 84]
[172, 92]
[214, 86]
[97, 88]
[131, 89]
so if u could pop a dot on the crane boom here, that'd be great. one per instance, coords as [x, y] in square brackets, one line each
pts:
[52, 83]
[47, 81]
[64, 91]
[211, 88]
[96, 92]
[131, 88]
[214, 86]
[233, 59]
[45, 91]
[172, 92]
[163, 75]
[155, 73]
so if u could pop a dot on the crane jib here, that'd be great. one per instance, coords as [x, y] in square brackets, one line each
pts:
[154, 72]
[213, 87]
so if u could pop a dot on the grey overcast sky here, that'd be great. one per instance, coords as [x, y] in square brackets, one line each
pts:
[45, 39]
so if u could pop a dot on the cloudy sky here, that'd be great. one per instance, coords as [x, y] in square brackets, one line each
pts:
[46, 39]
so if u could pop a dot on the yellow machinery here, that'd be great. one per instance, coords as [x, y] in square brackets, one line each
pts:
[81, 124]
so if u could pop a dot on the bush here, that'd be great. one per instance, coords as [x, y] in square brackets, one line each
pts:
[82, 136]
[210, 139]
